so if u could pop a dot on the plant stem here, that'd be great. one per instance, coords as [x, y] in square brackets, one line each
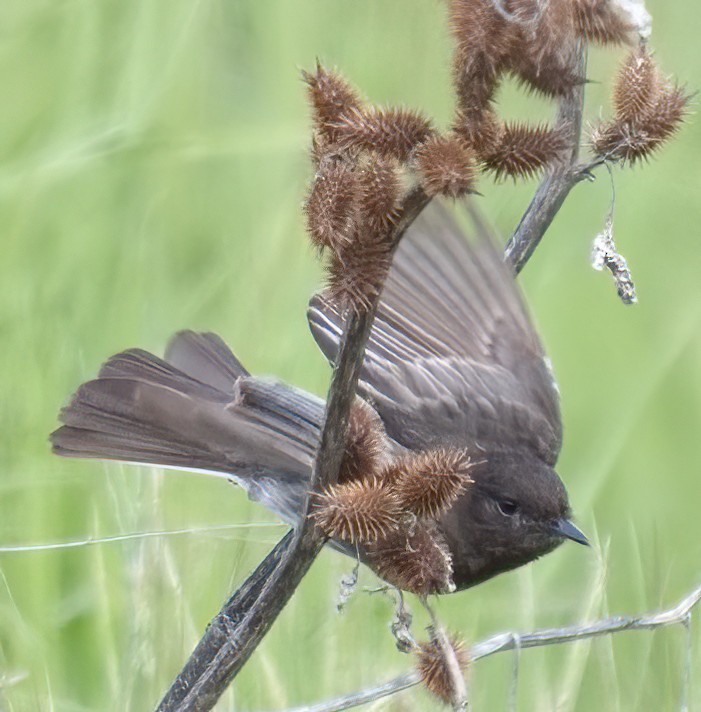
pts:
[677, 615]
[246, 617]
[557, 183]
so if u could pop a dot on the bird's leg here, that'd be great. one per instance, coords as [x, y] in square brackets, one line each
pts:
[401, 623]
[347, 586]
[401, 626]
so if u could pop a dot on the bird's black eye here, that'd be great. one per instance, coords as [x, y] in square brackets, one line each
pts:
[507, 507]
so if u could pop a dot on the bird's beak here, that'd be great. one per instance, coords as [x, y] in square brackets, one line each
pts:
[565, 528]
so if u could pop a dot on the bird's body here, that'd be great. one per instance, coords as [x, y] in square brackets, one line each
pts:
[453, 362]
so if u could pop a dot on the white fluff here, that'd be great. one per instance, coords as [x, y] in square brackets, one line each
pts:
[637, 14]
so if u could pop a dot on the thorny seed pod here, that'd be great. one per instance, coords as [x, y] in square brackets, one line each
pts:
[536, 41]
[434, 669]
[446, 166]
[319, 148]
[617, 141]
[545, 57]
[414, 559]
[428, 482]
[668, 114]
[330, 96]
[524, 150]
[361, 511]
[483, 41]
[380, 189]
[552, 74]
[479, 129]
[366, 444]
[637, 87]
[332, 203]
[355, 272]
[392, 133]
[649, 110]
[602, 21]
[323, 150]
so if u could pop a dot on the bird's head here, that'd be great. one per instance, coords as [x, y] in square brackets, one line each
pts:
[515, 511]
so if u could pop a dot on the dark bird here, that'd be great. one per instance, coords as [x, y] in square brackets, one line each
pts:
[453, 361]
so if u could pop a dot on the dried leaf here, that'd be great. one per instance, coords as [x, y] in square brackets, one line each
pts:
[605, 254]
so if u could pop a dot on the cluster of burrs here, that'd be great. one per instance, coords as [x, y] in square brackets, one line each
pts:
[538, 43]
[649, 108]
[368, 159]
[387, 507]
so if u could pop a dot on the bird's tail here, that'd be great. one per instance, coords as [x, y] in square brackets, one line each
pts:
[198, 409]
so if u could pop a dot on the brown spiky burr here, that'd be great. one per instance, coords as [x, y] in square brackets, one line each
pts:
[380, 191]
[330, 97]
[332, 204]
[366, 444]
[602, 22]
[479, 129]
[483, 40]
[524, 150]
[648, 111]
[355, 273]
[446, 166]
[427, 483]
[359, 511]
[414, 558]
[637, 87]
[543, 57]
[434, 669]
[389, 132]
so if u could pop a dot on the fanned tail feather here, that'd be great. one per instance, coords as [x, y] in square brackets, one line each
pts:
[206, 414]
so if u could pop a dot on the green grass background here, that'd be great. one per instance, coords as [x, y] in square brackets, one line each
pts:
[152, 166]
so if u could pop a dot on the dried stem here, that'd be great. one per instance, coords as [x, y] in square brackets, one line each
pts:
[247, 616]
[557, 183]
[677, 615]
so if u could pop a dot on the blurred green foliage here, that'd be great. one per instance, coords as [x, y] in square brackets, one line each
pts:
[153, 164]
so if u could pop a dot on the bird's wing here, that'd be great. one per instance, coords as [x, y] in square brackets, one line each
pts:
[453, 358]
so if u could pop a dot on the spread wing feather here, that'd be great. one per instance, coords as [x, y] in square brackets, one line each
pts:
[453, 358]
